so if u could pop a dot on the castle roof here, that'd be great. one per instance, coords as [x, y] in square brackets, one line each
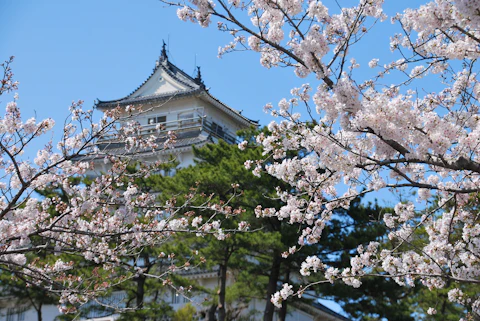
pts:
[185, 140]
[166, 83]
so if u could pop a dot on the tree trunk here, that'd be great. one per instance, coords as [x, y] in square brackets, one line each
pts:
[39, 311]
[282, 315]
[272, 286]
[141, 279]
[211, 313]
[140, 290]
[222, 293]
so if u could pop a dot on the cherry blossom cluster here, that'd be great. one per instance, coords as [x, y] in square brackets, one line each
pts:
[361, 133]
[102, 221]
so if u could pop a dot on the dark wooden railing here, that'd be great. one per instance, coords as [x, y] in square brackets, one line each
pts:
[179, 126]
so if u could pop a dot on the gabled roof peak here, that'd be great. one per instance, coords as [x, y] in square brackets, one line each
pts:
[168, 82]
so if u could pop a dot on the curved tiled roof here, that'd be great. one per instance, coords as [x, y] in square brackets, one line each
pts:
[186, 139]
[170, 69]
[195, 87]
[144, 99]
[322, 307]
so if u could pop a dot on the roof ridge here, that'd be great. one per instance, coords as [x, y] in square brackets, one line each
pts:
[181, 72]
[193, 83]
[125, 100]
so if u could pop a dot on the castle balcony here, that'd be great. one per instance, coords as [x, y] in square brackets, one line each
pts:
[187, 131]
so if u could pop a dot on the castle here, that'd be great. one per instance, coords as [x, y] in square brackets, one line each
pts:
[172, 100]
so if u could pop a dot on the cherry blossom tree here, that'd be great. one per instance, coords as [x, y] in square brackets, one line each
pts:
[363, 131]
[49, 240]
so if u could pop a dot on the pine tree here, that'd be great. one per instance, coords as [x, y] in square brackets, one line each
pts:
[255, 258]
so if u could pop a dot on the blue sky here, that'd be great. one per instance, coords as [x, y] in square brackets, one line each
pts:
[71, 50]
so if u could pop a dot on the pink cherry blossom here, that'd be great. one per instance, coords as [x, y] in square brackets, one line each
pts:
[363, 134]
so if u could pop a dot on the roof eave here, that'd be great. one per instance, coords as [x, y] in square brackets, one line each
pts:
[105, 105]
[232, 112]
[166, 66]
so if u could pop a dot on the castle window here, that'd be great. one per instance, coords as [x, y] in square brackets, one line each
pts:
[217, 129]
[10, 314]
[16, 314]
[175, 297]
[169, 172]
[155, 121]
[186, 119]
[21, 315]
